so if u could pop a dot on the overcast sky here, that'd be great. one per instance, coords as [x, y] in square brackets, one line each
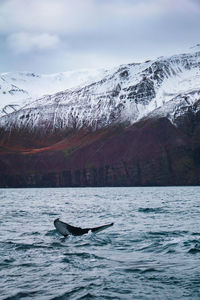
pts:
[47, 36]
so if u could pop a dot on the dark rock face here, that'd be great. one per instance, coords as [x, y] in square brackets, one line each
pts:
[150, 152]
[142, 92]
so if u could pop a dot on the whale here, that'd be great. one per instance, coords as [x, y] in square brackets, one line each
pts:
[67, 229]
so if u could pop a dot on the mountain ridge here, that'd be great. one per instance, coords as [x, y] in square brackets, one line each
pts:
[128, 94]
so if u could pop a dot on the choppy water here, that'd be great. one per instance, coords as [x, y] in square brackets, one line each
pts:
[151, 252]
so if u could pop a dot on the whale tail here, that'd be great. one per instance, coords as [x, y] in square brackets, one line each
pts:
[66, 229]
[100, 228]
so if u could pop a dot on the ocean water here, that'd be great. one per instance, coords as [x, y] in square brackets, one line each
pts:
[151, 252]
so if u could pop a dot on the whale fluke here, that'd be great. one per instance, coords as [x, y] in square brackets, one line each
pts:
[66, 229]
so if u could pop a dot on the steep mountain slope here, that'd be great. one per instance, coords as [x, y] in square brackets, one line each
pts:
[137, 124]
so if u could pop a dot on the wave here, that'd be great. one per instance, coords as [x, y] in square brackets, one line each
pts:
[20, 295]
[7, 262]
[193, 245]
[68, 294]
[168, 233]
[152, 210]
[83, 292]
[52, 232]
[23, 246]
[194, 250]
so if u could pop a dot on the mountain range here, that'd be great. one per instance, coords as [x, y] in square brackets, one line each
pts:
[132, 125]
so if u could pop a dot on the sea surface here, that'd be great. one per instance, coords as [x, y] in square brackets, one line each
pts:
[151, 252]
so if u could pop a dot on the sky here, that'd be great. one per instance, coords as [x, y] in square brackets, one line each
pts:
[50, 36]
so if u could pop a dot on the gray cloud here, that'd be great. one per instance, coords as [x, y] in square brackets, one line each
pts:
[57, 35]
[23, 42]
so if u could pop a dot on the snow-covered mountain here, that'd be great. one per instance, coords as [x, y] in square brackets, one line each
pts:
[167, 86]
[21, 88]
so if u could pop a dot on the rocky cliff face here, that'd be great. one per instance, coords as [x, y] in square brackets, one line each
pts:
[137, 124]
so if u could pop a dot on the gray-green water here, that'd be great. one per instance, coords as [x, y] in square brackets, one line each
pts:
[151, 252]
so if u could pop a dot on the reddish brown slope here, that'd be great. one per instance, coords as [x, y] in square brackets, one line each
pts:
[151, 152]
